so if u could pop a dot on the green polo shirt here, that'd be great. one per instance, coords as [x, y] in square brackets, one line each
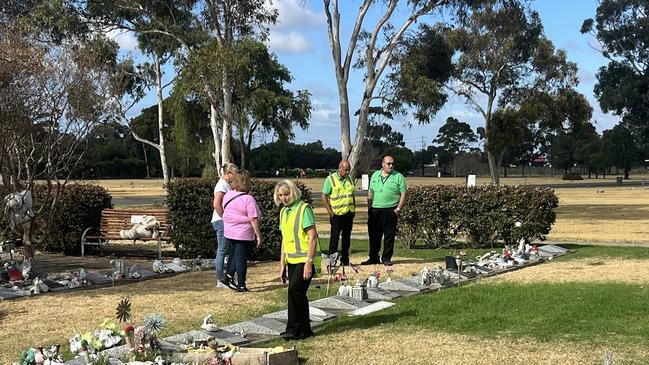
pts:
[327, 188]
[386, 191]
[308, 219]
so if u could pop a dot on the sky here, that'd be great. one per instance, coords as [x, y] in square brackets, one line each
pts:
[300, 41]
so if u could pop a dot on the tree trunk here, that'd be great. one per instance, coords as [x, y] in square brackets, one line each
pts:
[161, 149]
[146, 160]
[454, 168]
[242, 152]
[494, 168]
[226, 130]
[626, 173]
[216, 137]
[523, 171]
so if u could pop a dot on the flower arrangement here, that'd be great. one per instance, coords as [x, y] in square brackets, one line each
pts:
[106, 336]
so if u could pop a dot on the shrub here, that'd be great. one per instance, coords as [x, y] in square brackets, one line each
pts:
[572, 176]
[190, 212]
[479, 211]
[78, 207]
[429, 215]
[438, 214]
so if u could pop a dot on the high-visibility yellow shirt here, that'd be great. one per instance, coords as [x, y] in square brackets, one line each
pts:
[341, 193]
[293, 222]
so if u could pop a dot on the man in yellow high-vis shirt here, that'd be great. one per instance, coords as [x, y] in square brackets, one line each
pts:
[338, 199]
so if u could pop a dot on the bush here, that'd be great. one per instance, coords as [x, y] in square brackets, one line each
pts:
[438, 214]
[78, 207]
[429, 215]
[190, 212]
[572, 176]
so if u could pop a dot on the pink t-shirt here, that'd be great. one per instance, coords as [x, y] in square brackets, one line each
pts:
[238, 214]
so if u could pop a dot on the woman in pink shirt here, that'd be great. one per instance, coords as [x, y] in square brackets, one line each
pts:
[241, 228]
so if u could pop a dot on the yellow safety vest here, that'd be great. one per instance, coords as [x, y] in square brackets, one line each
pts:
[294, 239]
[342, 195]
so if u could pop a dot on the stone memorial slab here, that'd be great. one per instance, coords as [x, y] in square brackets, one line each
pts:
[260, 326]
[482, 270]
[338, 302]
[147, 273]
[545, 254]
[381, 294]
[374, 307]
[188, 337]
[315, 314]
[98, 279]
[407, 284]
[229, 337]
[6, 293]
[553, 249]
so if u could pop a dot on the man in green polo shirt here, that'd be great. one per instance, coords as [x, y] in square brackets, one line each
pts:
[385, 199]
[338, 199]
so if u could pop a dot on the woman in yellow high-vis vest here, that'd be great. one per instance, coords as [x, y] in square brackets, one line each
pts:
[298, 255]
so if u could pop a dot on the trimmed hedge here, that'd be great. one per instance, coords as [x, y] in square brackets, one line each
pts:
[438, 214]
[78, 207]
[572, 176]
[190, 212]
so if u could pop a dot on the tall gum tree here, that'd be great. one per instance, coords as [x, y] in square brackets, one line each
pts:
[374, 47]
[503, 60]
[622, 36]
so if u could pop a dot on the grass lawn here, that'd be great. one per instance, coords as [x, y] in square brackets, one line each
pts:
[568, 310]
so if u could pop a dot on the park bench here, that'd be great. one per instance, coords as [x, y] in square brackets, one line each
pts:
[115, 220]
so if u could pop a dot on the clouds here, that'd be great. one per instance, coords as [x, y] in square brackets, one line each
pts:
[126, 40]
[291, 42]
[294, 21]
[293, 15]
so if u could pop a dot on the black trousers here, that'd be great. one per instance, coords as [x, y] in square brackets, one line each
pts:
[382, 223]
[341, 225]
[299, 322]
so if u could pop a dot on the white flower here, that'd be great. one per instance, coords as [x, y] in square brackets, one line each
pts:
[517, 224]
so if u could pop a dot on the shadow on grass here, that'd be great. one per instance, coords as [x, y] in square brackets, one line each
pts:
[365, 322]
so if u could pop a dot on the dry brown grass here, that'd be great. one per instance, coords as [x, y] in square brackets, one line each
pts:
[186, 298]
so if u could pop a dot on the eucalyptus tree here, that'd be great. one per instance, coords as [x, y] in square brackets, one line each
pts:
[207, 32]
[374, 48]
[503, 60]
[261, 100]
[620, 29]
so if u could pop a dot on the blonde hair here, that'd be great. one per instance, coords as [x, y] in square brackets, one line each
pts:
[241, 181]
[287, 185]
[230, 167]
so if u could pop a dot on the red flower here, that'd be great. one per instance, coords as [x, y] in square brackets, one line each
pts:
[128, 328]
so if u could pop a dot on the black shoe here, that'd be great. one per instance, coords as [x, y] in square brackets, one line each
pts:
[229, 282]
[387, 262]
[243, 290]
[287, 336]
[305, 335]
[369, 262]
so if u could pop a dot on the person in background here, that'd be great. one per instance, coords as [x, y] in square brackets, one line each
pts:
[222, 249]
[385, 199]
[241, 229]
[298, 255]
[338, 199]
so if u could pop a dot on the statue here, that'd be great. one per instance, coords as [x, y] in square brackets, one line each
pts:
[208, 324]
[22, 219]
[426, 277]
